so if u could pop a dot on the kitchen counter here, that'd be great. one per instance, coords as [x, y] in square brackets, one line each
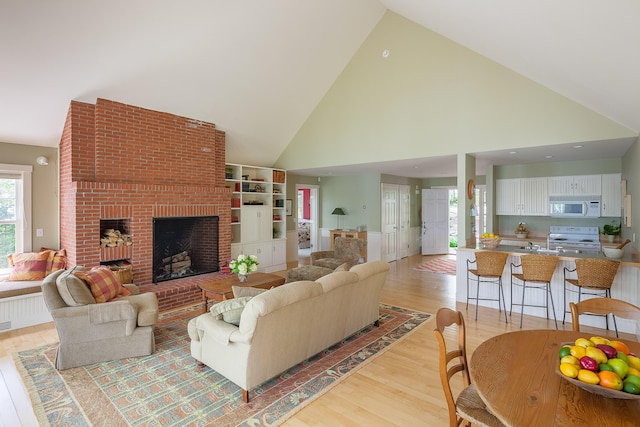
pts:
[625, 286]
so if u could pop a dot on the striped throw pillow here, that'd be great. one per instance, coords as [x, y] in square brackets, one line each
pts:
[58, 260]
[103, 283]
[28, 266]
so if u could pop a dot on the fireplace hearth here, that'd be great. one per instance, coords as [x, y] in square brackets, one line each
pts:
[184, 246]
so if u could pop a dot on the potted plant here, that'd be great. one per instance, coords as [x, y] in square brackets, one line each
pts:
[611, 230]
[522, 231]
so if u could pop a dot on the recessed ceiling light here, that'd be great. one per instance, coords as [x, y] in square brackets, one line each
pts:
[548, 157]
[513, 152]
[416, 167]
[577, 146]
[385, 53]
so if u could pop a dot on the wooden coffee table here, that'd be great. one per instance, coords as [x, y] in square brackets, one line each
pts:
[220, 290]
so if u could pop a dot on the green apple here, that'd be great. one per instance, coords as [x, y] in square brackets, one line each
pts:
[619, 366]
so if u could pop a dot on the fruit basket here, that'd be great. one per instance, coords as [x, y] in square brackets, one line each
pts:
[490, 242]
[596, 389]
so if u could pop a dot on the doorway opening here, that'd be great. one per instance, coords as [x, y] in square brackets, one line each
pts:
[306, 219]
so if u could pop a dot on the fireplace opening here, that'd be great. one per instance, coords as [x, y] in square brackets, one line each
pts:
[184, 246]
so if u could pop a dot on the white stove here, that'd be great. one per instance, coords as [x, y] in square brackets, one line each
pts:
[582, 239]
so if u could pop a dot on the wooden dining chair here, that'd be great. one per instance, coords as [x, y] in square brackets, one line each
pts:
[595, 277]
[603, 307]
[489, 266]
[468, 408]
[536, 273]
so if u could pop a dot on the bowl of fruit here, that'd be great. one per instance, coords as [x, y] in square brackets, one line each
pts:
[490, 240]
[602, 367]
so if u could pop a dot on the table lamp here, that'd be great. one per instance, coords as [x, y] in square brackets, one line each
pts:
[338, 211]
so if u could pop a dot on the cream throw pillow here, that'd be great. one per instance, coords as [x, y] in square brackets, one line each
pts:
[73, 290]
[230, 310]
[246, 291]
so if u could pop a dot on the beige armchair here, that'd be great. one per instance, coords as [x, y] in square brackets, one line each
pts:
[90, 332]
[346, 250]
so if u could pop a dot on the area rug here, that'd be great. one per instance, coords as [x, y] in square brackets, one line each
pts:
[439, 265]
[169, 389]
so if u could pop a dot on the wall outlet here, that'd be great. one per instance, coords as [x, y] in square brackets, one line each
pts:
[39, 232]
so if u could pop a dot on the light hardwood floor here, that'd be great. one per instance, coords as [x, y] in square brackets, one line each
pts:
[398, 388]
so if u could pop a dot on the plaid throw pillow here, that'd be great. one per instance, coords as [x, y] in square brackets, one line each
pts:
[28, 266]
[103, 283]
[58, 260]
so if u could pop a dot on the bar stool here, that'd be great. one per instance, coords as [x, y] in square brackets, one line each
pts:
[594, 274]
[537, 272]
[489, 268]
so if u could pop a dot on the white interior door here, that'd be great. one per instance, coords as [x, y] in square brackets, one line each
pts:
[389, 219]
[435, 222]
[403, 221]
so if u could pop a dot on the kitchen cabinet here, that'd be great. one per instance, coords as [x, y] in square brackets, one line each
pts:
[611, 201]
[579, 185]
[522, 196]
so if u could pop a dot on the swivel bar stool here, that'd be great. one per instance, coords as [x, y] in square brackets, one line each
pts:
[537, 272]
[489, 268]
[596, 275]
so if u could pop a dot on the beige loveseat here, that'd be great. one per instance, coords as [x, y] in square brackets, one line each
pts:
[288, 324]
[90, 332]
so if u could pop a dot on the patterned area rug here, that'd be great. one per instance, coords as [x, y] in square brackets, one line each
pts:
[168, 389]
[439, 265]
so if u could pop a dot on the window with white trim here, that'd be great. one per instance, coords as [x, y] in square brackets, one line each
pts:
[15, 210]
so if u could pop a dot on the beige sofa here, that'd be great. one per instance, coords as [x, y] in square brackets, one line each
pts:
[288, 324]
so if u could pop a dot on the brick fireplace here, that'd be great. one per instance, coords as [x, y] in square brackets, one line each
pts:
[127, 165]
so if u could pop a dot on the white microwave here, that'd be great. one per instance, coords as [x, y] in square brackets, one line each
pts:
[574, 207]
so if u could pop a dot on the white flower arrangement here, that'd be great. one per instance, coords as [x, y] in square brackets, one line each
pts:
[244, 264]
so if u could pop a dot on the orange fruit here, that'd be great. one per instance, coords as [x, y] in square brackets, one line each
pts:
[620, 346]
[610, 379]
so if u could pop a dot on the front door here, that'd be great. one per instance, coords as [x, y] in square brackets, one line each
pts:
[435, 222]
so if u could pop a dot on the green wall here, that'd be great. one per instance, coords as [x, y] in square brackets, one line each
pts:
[45, 201]
[433, 97]
[631, 173]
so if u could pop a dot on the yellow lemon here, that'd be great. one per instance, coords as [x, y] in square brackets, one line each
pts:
[571, 360]
[596, 354]
[599, 340]
[577, 351]
[634, 361]
[569, 370]
[583, 342]
[633, 371]
[588, 377]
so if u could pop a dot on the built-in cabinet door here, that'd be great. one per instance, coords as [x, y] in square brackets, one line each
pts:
[279, 252]
[579, 185]
[507, 196]
[256, 223]
[611, 202]
[560, 185]
[587, 185]
[264, 252]
[534, 198]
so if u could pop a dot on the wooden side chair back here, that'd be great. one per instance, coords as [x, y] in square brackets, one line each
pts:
[489, 266]
[537, 271]
[604, 307]
[468, 408]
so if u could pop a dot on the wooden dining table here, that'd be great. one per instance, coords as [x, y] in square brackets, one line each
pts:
[515, 375]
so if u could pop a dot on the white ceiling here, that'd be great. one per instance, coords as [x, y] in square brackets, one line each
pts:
[257, 68]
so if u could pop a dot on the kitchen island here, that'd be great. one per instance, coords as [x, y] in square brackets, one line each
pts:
[626, 285]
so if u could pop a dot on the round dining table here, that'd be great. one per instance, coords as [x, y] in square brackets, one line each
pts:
[515, 375]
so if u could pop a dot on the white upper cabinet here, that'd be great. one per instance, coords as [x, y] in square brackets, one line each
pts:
[522, 196]
[580, 185]
[611, 202]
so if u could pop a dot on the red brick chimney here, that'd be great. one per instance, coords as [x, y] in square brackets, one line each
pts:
[126, 164]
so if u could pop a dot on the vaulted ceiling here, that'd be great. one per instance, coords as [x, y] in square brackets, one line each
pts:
[258, 68]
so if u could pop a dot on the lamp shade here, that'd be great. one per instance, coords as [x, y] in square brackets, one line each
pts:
[338, 211]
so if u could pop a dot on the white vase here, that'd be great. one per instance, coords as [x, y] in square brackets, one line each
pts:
[610, 238]
[243, 277]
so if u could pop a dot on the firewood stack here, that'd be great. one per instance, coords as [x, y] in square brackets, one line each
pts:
[112, 238]
[177, 263]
